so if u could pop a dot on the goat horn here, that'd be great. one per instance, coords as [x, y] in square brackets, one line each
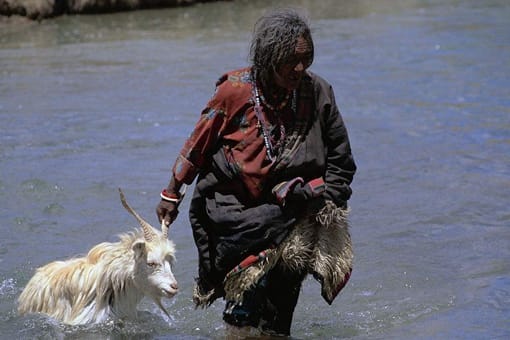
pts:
[148, 230]
[164, 228]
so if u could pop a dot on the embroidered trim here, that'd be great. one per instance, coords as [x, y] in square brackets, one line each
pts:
[272, 149]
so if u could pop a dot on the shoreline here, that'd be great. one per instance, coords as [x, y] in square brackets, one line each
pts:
[46, 9]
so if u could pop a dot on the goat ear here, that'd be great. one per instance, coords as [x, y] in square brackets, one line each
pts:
[139, 248]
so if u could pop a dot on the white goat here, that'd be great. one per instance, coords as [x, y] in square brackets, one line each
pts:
[109, 282]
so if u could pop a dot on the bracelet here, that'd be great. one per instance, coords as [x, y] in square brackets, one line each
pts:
[170, 198]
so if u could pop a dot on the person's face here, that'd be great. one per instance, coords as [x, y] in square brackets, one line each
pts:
[289, 74]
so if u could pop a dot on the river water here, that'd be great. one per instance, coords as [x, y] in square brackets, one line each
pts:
[92, 103]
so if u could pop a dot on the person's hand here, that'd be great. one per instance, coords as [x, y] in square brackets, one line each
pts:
[282, 190]
[309, 190]
[297, 190]
[167, 211]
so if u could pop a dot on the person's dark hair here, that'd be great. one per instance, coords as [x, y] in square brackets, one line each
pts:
[274, 40]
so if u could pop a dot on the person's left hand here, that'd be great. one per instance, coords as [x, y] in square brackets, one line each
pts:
[297, 190]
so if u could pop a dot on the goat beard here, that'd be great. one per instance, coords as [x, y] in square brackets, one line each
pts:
[158, 303]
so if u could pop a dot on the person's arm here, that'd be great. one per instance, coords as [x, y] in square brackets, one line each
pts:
[191, 158]
[334, 185]
[341, 167]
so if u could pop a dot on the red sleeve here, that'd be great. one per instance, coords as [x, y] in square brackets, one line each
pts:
[201, 141]
[231, 95]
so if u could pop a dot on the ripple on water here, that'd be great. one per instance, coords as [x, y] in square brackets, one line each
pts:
[7, 286]
[39, 187]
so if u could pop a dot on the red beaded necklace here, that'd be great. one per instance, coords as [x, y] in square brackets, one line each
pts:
[271, 148]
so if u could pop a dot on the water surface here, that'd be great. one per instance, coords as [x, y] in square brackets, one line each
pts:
[92, 103]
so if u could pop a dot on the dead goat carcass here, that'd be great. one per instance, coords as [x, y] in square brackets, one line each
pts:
[109, 282]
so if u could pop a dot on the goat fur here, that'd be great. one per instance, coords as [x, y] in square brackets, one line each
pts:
[108, 282]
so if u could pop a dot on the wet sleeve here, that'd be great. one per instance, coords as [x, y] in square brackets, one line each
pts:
[340, 167]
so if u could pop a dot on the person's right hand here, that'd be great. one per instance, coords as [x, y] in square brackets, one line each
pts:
[167, 211]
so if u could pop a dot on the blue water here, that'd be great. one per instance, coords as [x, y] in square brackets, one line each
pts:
[92, 103]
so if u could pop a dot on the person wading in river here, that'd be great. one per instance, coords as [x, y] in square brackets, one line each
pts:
[274, 168]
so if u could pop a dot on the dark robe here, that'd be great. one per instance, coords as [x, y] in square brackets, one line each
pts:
[233, 213]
